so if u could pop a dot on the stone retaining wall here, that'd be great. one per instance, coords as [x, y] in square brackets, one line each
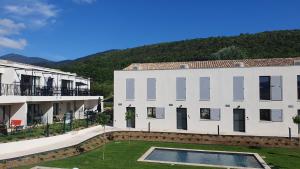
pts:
[258, 141]
[99, 140]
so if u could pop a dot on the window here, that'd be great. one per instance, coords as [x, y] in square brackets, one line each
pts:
[55, 109]
[264, 85]
[156, 112]
[151, 89]
[151, 113]
[238, 88]
[298, 85]
[180, 88]
[130, 89]
[274, 115]
[204, 88]
[205, 113]
[270, 88]
[210, 114]
[265, 114]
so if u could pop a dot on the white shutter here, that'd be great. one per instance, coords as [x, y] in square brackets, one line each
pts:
[238, 88]
[276, 115]
[204, 88]
[130, 89]
[160, 112]
[215, 114]
[180, 88]
[276, 88]
[151, 89]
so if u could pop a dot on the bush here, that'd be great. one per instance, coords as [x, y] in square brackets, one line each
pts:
[296, 119]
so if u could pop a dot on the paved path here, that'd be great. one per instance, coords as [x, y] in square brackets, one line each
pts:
[28, 147]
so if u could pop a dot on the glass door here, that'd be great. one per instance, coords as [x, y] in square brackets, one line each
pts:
[181, 118]
[130, 123]
[239, 120]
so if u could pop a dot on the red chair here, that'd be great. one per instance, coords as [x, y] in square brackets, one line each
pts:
[16, 124]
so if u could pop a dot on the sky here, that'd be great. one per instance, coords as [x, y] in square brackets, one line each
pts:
[69, 29]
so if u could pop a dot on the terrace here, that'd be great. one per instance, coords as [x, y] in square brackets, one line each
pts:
[33, 90]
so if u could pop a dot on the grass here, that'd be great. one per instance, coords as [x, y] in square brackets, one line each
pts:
[54, 129]
[124, 155]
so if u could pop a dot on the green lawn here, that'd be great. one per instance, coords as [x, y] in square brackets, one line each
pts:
[124, 155]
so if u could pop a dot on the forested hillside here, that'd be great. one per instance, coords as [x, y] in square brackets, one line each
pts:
[100, 66]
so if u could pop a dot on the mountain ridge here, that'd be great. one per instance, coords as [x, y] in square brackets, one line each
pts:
[100, 66]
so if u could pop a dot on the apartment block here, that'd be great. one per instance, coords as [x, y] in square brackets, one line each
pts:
[256, 97]
[34, 95]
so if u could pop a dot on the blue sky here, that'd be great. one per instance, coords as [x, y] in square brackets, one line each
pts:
[68, 29]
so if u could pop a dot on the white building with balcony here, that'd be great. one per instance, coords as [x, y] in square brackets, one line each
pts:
[33, 94]
[231, 97]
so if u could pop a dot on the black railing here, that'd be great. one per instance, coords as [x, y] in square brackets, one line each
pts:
[31, 90]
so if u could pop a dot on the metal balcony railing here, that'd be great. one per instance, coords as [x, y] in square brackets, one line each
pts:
[31, 90]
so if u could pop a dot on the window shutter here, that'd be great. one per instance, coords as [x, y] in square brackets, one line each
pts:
[276, 115]
[215, 114]
[151, 89]
[276, 88]
[180, 88]
[160, 112]
[130, 89]
[238, 88]
[204, 88]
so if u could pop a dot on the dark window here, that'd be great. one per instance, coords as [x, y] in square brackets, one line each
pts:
[205, 113]
[264, 87]
[265, 114]
[151, 112]
[298, 84]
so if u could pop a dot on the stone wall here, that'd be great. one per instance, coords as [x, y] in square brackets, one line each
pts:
[99, 140]
[258, 141]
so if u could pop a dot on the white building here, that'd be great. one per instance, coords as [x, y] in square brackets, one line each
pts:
[36, 94]
[240, 97]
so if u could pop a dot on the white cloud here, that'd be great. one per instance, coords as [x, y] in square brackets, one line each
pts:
[20, 15]
[9, 27]
[33, 12]
[11, 43]
[32, 8]
[84, 1]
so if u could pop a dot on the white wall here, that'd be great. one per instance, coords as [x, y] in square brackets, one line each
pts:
[19, 112]
[221, 80]
[47, 110]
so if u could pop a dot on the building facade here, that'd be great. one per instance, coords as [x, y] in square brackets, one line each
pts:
[231, 97]
[36, 94]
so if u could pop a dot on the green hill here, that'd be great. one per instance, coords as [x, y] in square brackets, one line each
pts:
[100, 66]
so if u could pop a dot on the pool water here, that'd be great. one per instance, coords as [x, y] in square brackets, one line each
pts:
[204, 157]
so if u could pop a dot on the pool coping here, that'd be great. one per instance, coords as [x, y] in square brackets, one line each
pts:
[256, 155]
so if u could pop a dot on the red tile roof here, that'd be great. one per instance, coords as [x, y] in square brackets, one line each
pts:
[213, 64]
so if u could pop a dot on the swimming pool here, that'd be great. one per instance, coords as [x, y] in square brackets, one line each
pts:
[222, 159]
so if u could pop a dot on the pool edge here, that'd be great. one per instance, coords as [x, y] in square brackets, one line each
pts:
[150, 150]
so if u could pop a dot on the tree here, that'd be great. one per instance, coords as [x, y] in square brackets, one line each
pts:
[296, 120]
[227, 53]
[103, 120]
[129, 115]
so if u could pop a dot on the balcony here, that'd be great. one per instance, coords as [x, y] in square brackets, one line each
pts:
[30, 90]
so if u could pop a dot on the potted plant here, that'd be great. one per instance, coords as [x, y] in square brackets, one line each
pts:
[296, 120]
